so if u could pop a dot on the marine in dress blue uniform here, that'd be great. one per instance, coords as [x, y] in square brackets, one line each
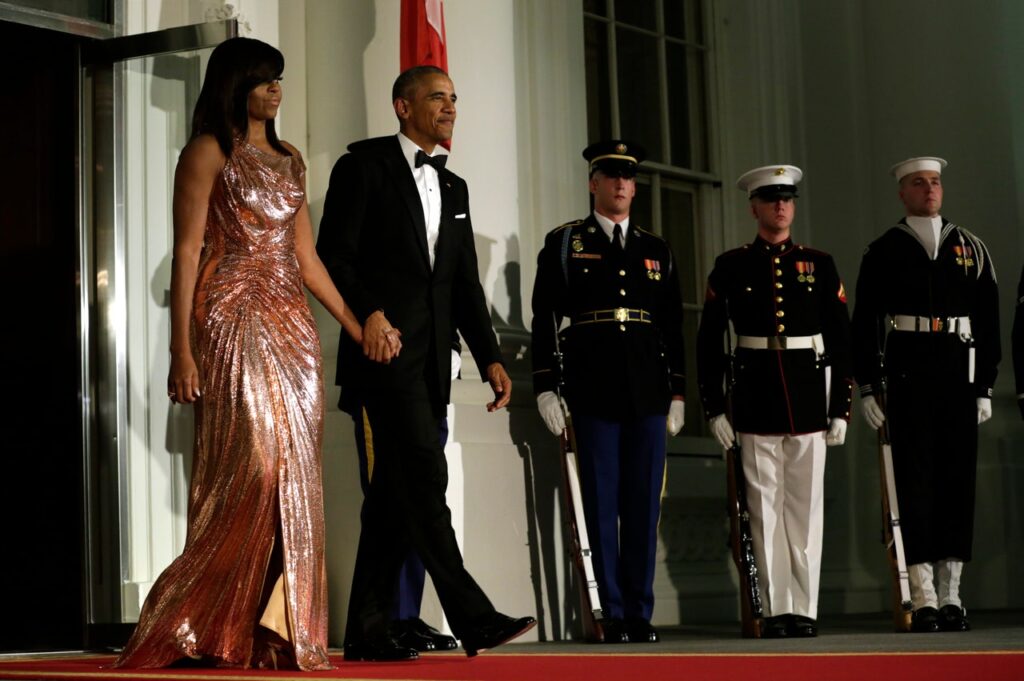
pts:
[792, 392]
[610, 290]
[927, 298]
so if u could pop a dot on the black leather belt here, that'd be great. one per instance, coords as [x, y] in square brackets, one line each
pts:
[620, 315]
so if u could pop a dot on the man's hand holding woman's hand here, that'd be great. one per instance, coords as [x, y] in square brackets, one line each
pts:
[381, 341]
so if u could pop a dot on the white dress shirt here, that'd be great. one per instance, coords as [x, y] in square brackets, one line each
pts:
[608, 227]
[429, 190]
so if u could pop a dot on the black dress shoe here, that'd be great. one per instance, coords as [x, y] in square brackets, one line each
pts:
[495, 630]
[378, 649]
[803, 627]
[614, 630]
[952, 618]
[775, 627]
[924, 620]
[416, 634]
[641, 631]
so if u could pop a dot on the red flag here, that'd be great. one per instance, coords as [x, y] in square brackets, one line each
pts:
[422, 39]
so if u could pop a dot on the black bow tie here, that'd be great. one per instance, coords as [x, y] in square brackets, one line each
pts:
[436, 162]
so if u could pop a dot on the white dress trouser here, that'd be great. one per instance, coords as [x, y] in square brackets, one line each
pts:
[785, 492]
[935, 585]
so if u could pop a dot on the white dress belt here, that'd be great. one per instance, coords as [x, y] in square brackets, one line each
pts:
[961, 326]
[815, 342]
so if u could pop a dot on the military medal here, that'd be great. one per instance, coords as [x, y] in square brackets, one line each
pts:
[959, 254]
[801, 267]
[653, 269]
[577, 245]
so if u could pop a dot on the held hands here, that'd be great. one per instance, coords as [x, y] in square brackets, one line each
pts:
[380, 340]
[836, 432]
[722, 430]
[501, 384]
[984, 409]
[552, 411]
[676, 415]
[183, 378]
[872, 412]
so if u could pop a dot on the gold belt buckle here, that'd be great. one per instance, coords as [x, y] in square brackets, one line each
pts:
[621, 314]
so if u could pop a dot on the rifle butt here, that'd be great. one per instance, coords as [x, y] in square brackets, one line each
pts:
[589, 619]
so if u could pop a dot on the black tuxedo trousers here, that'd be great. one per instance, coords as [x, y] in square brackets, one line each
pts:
[405, 507]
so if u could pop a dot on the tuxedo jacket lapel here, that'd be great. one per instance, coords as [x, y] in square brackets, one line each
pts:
[407, 190]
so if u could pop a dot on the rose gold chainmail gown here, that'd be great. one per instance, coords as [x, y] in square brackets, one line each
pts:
[256, 477]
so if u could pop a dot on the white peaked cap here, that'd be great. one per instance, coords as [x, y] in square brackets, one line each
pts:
[916, 164]
[769, 176]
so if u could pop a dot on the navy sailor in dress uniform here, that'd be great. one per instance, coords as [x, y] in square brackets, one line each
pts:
[611, 292]
[926, 297]
[793, 386]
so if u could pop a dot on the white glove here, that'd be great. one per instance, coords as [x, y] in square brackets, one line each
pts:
[836, 432]
[984, 409]
[551, 411]
[676, 416]
[872, 412]
[722, 431]
[456, 364]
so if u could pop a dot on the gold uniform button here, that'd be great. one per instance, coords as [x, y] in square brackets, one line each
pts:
[622, 327]
[778, 273]
[778, 260]
[778, 299]
[778, 284]
[622, 273]
[780, 313]
[781, 328]
[585, 270]
[622, 291]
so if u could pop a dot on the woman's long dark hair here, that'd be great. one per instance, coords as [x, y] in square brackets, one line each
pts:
[236, 66]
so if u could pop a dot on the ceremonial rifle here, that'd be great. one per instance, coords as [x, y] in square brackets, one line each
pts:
[741, 539]
[590, 600]
[892, 534]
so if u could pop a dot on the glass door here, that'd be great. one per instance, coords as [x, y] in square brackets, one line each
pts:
[138, 95]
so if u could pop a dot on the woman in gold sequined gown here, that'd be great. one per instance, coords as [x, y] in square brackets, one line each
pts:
[249, 589]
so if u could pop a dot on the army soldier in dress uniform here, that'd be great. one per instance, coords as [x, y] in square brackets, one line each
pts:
[931, 285]
[617, 289]
[787, 308]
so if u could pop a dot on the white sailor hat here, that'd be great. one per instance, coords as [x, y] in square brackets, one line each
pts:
[916, 164]
[770, 181]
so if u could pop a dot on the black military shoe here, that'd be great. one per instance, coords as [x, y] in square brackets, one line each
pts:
[614, 630]
[416, 634]
[952, 618]
[378, 649]
[494, 630]
[641, 631]
[775, 627]
[802, 627]
[925, 620]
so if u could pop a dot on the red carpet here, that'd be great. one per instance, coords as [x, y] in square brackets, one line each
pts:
[990, 666]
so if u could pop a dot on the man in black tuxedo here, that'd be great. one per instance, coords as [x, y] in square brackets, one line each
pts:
[397, 240]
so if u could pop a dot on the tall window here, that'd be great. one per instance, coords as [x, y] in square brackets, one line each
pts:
[647, 74]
